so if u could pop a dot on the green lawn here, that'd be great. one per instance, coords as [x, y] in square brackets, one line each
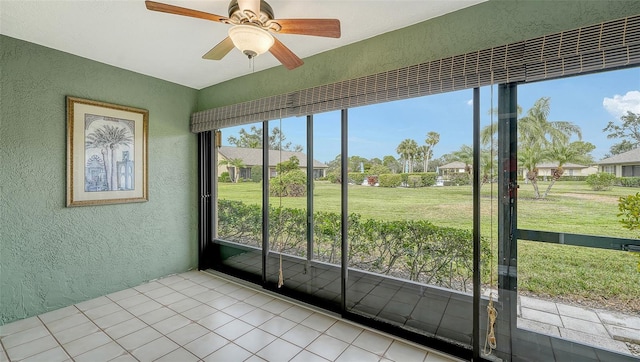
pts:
[586, 275]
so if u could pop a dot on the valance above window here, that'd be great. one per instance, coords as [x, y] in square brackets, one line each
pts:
[609, 45]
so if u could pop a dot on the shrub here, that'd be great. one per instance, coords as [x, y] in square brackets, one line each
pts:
[240, 222]
[390, 180]
[372, 180]
[414, 181]
[377, 170]
[460, 179]
[291, 164]
[289, 184]
[573, 178]
[600, 181]
[356, 177]
[629, 215]
[429, 178]
[411, 249]
[224, 177]
[256, 173]
[628, 181]
[334, 177]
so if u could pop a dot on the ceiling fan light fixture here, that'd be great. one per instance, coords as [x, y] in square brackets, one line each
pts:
[251, 40]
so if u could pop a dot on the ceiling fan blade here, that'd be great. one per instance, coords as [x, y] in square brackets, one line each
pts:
[318, 27]
[285, 55]
[219, 51]
[177, 10]
[251, 5]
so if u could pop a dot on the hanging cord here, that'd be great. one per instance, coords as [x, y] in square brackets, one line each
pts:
[490, 342]
[280, 272]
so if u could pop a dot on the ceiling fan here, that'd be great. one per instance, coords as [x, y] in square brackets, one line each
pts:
[252, 24]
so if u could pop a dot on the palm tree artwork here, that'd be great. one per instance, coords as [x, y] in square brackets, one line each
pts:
[108, 141]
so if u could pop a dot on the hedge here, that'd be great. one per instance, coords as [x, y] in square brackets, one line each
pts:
[628, 181]
[411, 249]
[390, 180]
[356, 177]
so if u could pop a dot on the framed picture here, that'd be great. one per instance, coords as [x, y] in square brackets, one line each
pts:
[106, 153]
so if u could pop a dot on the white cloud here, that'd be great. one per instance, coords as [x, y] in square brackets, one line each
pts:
[619, 105]
[470, 102]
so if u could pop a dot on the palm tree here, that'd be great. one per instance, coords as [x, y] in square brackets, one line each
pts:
[487, 164]
[537, 135]
[432, 139]
[577, 152]
[465, 154]
[235, 164]
[110, 138]
[408, 149]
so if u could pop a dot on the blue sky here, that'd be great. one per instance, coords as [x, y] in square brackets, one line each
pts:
[590, 101]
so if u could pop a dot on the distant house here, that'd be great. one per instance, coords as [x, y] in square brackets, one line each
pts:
[452, 168]
[546, 169]
[253, 157]
[626, 164]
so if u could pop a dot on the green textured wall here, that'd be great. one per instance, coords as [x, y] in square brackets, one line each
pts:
[52, 256]
[493, 23]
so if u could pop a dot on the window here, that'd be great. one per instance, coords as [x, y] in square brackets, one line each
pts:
[580, 225]
[609, 169]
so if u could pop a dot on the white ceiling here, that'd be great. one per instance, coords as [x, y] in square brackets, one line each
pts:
[127, 35]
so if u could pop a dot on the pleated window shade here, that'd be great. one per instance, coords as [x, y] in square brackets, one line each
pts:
[605, 46]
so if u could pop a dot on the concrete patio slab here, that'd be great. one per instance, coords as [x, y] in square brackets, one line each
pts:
[539, 327]
[624, 334]
[577, 312]
[593, 340]
[538, 304]
[580, 325]
[544, 317]
[609, 330]
[619, 319]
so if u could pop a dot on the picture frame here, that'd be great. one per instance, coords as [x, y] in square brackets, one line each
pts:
[107, 161]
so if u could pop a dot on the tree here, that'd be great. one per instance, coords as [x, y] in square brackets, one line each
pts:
[291, 180]
[108, 139]
[253, 139]
[377, 170]
[276, 141]
[629, 129]
[291, 164]
[537, 135]
[407, 150]
[465, 155]
[488, 159]
[358, 163]
[235, 164]
[432, 139]
[577, 152]
[391, 163]
[620, 147]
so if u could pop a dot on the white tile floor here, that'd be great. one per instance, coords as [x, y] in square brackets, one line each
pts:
[196, 316]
